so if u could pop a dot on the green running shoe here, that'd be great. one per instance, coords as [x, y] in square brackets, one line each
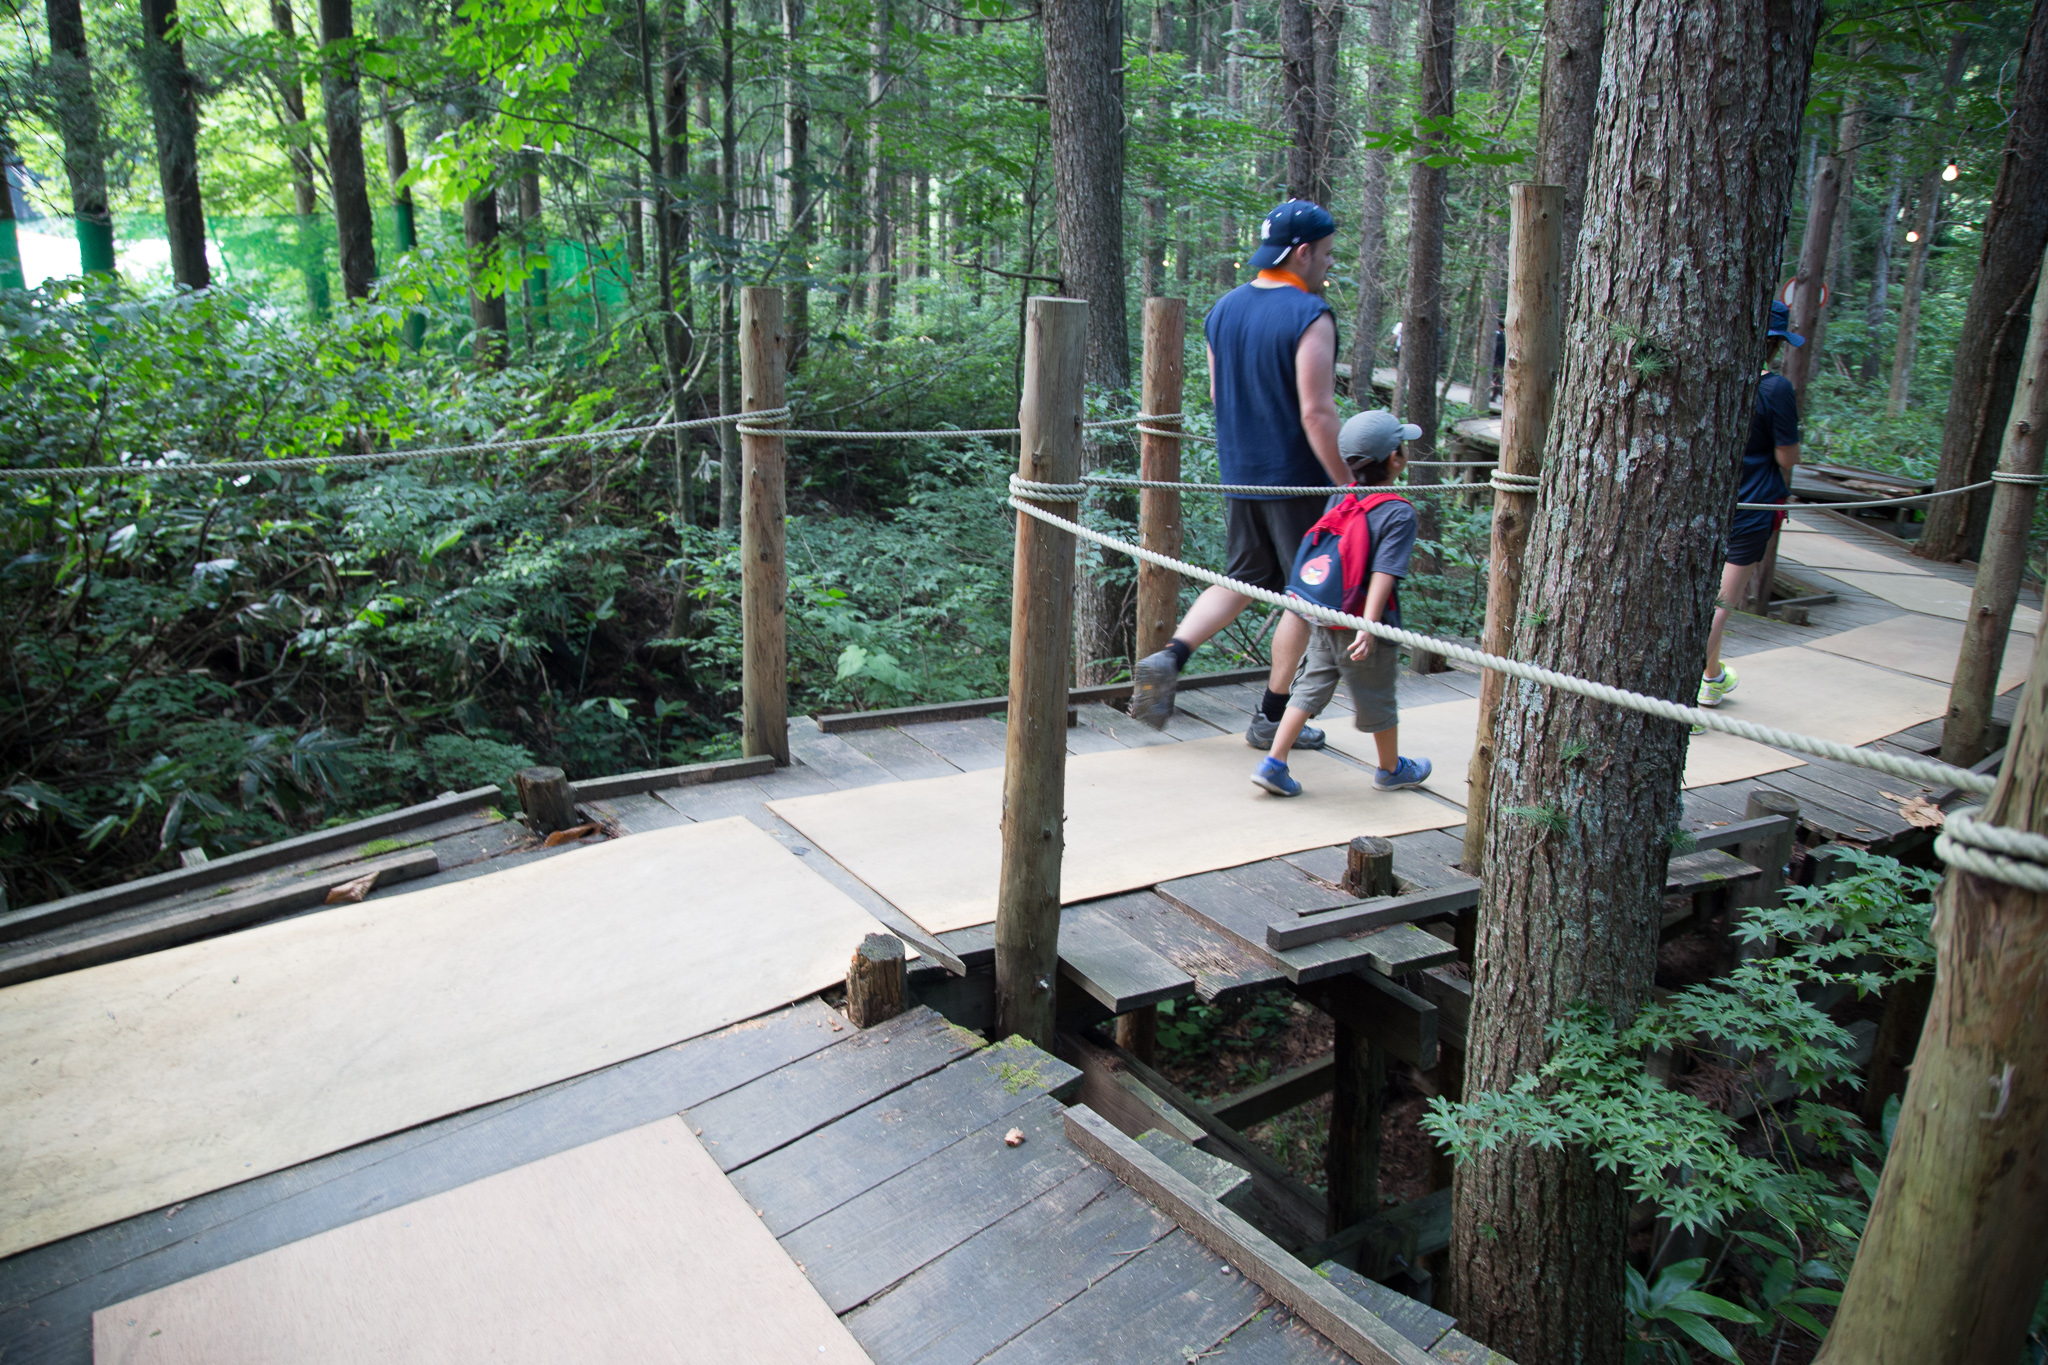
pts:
[1713, 689]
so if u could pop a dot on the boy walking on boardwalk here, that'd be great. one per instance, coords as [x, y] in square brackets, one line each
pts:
[1371, 446]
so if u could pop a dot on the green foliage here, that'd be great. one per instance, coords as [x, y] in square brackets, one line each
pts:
[1866, 931]
[1674, 1305]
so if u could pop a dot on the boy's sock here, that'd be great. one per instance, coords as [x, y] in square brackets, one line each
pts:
[1180, 650]
[1273, 705]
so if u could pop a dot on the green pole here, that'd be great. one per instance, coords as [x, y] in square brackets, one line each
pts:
[10, 254]
[96, 245]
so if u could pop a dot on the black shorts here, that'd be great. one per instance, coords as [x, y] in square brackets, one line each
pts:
[1264, 534]
[1750, 536]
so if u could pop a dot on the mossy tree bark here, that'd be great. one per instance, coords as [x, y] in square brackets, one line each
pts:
[1951, 1262]
[174, 109]
[78, 119]
[341, 98]
[1691, 176]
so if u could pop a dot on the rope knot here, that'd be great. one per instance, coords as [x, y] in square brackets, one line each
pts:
[2012, 856]
[1021, 487]
[2023, 480]
[1504, 482]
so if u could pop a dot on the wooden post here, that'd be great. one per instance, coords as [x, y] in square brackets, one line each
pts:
[547, 799]
[1965, 736]
[1357, 1106]
[1535, 331]
[875, 988]
[1138, 1033]
[1166, 324]
[1369, 867]
[764, 578]
[1950, 1265]
[1041, 639]
[1804, 302]
[1769, 853]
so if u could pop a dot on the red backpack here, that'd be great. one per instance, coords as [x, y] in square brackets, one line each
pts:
[1333, 565]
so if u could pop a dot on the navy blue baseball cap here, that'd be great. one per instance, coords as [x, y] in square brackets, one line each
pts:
[1295, 222]
[1781, 325]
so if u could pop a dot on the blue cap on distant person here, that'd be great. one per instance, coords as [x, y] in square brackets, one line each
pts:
[1781, 325]
[1371, 437]
[1295, 222]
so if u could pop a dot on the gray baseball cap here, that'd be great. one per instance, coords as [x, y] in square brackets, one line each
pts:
[1371, 437]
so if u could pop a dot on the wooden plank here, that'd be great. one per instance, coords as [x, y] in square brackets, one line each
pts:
[746, 1124]
[1296, 1211]
[1228, 1185]
[1288, 1090]
[902, 756]
[1835, 815]
[48, 1295]
[872, 1241]
[1390, 952]
[661, 779]
[634, 813]
[1379, 913]
[1009, 1275]
[832, 758]
[1458, 1349]
[204, 920]
[967, 750]
[1421, 1324]
[34, 918]
[597, 1253]
[1452, 996]
[1740, 831]
[1707, 869]
[1401, 1022]
[1275, 1337]
[1148, 1310]
[1083, 740]
[1130, 733]
[1123, 1099]
[1222, 967]
[1220, 708]
[840, 722]
[1421, 1227]
[1122, 973]
[846, 1158]
[1345, 1321]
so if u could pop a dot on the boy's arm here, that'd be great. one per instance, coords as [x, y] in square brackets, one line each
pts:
[1377, 591]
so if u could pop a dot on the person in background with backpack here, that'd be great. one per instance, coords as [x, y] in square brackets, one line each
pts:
[1354, 560]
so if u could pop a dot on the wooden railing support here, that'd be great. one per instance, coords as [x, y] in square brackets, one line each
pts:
[1535, 331]
[1166, 325]
[1041, 639]
[1965, 737]
[764, 577]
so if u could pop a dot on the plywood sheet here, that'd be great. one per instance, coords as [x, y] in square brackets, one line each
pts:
[630, 1248]
[130, 1086]
[1135, 817]
[1929, 594]
[1820, 551]
[1927, 646]
[1444, 734]
[1818, 693]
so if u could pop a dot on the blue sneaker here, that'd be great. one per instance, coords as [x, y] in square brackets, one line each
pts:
[1272, 775]
[1408, 772]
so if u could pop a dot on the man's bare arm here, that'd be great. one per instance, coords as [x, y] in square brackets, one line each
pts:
[1211, 353]
[1788, 456]
[1315, 384]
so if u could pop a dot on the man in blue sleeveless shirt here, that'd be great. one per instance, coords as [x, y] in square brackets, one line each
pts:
[1771, 453]
[1273, 379]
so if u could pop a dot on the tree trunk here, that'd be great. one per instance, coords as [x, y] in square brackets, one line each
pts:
[1494, 281]
[667, 148]
[1925, 216]
[729, 258]
[1881, 269]
[291, 93]
[1154, 249]
[77, 111]
[1807, 302]
[1328, 21]
[1574, 32]
[1950, 1266]
[881, 249]
[396, 165]
[1840, 272]
[1988, 348]
[10, 247]
[1233, 99]
[486, 310]
[674, 207]
[1298, 96]
[341, 94]
[174, 110]
[1658, 380]
[1084, 94]
[796, 160]
[533, 238]
[1380, 94]
[1422, 325]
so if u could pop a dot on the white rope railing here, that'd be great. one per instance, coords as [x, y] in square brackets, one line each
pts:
[1897, 765]
[2006, 855]
[370, 457]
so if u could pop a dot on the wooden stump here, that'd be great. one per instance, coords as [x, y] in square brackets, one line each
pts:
[875, 988]
[1369, 867]
[1358, 1102]
[1138, 1033]
[547, 799]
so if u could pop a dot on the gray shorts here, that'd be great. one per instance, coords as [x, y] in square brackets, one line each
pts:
[1371, 681]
